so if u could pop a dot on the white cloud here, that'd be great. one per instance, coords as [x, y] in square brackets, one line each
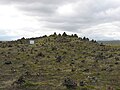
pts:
[66, 10]
[105, 31]
[14, 23]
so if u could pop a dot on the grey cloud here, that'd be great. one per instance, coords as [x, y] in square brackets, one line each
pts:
[37, 9]
[63, 26]
[36, 1]
[88, 13]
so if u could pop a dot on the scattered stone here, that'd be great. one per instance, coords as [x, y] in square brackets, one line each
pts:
[83, 61]
[58, 69]
[73, 69]
[109, 88]
[117, 59]
[40, 54]
[8, 62]
[93, 79]
[27, 73]
[23, 65]
[86, 70]
[116, 63]
[58, 59]
[69, 83]
[82, 83]
[20, 81]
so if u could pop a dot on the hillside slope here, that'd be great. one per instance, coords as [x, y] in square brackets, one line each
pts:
[59, 62]
[114, 42]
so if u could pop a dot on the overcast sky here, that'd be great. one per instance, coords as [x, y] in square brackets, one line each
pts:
[96, 19]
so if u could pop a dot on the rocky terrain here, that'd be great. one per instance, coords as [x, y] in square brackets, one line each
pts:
[59, 62]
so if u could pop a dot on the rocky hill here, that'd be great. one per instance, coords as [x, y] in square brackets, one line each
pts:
[59, 62]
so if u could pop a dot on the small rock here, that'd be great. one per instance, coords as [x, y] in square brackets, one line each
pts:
[82, 83]
[69, 83]
[8, 62]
